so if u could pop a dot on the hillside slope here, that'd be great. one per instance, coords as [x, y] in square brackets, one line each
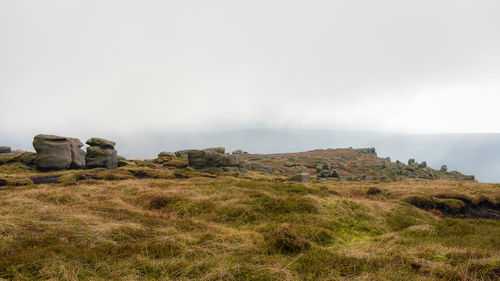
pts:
[171, 222]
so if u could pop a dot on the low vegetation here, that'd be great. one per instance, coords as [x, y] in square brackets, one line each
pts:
[146, 223]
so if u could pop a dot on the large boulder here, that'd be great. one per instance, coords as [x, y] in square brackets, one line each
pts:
[101, 154]
[200, 159]
[57, 153]
[5, 149]
[53, 152]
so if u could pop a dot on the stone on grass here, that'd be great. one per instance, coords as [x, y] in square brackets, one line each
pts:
[301, 177]
[200, 159]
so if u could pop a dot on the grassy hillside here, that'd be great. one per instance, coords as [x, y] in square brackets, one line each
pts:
[151, 223]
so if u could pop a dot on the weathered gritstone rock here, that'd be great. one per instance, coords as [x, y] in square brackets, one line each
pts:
[183, 153]
[301, 177]
[77, 154]
[368, 151]
[200, 159]
[217, 149]
[101, 154]
[101, 143]
[28, 158]
[5, 149]
[58, 153]
[165, 154]
[239, 151]
[122, 161]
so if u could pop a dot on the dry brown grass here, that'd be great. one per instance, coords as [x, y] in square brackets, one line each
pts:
[118, 227]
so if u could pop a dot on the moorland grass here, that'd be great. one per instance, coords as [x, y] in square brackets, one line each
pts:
[254, 228]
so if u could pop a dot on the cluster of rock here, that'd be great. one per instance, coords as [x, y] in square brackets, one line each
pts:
[239, 151]
[365, 166]
[420, 170]
[216, 157]
[324, 170]
[212, 158]
[60, 153]
[367, 151]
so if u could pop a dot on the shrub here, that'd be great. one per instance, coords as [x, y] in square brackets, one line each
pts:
[286, 240]
[373, 191]
[160, 201]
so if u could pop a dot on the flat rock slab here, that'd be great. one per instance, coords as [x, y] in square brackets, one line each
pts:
[46, 179]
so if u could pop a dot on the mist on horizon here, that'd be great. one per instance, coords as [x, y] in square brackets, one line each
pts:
[128, 68]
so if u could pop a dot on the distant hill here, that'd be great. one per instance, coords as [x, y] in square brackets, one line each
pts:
[477, 154]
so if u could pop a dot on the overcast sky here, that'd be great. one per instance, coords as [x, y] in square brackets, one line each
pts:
[94, 67]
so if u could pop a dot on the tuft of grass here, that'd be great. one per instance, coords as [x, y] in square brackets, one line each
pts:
[286, 240]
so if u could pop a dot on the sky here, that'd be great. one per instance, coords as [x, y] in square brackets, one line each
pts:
[128, 67]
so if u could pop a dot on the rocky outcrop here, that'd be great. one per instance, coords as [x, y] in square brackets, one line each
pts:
[58, 153]
[165, 154]
[368, 151]
[200, 159]
[183, 153]
[28, 158]
[5, 149]
[101, 153]
[217, 149]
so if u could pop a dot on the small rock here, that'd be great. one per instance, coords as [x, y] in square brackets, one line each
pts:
[122, 161]
[28, 158]
[301, 177]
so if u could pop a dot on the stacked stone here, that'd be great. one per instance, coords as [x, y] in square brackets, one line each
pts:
[101, 153]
